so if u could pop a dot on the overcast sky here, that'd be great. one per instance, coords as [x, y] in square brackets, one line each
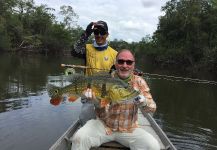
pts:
[129, 20]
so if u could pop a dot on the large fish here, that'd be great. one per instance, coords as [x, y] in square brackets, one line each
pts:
[104, 87]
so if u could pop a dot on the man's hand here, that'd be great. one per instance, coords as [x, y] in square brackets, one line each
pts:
[140, 99]
[104, 102]
[89, 29]
[89, 93]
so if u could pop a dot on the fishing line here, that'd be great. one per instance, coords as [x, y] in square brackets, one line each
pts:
[177, 78]
[138, 72]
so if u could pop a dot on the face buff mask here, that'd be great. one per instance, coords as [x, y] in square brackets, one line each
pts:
[100, 47]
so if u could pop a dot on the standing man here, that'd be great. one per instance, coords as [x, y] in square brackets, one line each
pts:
[99, 55]
[121, 121]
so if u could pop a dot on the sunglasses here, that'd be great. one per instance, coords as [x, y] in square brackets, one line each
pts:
[101, 32]
[128, 62]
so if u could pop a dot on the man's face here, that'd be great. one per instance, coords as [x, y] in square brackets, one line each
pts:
[100, 35]
[125, 64]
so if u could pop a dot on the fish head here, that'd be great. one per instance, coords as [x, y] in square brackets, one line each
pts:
[53, 91]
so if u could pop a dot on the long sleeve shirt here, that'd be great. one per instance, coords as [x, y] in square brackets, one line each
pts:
[97, 57]
[79, 48]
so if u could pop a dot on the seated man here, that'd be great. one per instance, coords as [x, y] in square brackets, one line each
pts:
[121, 121]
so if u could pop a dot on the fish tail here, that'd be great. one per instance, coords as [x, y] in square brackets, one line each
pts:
[134, 93]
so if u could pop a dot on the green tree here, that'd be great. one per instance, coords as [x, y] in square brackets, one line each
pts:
[5, 43]
[186, 31]
[70, 17]
[57, 38]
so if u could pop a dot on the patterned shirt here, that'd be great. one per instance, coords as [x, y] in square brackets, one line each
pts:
[80, 45]
[123, 117]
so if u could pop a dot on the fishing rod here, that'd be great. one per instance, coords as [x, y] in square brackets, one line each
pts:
[140, 73]
[136, 71]
[80, 66]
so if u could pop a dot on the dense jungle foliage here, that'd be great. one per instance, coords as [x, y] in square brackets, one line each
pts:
[186, 34]
[23, 25]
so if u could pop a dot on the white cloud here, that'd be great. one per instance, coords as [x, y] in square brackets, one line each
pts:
[129, 20]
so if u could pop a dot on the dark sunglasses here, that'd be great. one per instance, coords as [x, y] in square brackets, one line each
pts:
[101, 32]
[128, 62]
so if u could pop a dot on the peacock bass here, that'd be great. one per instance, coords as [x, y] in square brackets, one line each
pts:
[104, 86]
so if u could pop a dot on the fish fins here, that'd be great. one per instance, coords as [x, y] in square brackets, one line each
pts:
[101, 73]
[72, 98]
[75, 77]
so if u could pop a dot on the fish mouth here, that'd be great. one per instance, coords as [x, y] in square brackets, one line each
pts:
[55, 101]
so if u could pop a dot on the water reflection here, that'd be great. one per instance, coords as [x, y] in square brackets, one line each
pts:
[25, 110]
[13, 104]
[26, 75]
[186, 111]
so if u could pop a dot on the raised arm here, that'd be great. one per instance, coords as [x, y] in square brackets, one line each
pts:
[79, 48]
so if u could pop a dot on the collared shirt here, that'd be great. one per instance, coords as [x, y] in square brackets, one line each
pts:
[123, 117]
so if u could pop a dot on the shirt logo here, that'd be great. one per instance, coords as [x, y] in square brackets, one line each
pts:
[106, 58]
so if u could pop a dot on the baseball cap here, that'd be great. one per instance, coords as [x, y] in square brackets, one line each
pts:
[101, 24]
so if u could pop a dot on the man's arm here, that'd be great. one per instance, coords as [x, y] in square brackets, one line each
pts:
[79, 48]
[147, 103]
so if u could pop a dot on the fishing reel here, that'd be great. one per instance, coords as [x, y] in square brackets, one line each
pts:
[69, 71]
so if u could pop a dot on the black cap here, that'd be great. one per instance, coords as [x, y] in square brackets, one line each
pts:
[101, 24]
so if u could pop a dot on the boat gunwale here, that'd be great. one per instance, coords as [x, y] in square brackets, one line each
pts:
[76, 124]
[64, 138]
[163, 137]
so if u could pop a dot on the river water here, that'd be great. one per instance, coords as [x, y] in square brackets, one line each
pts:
[186, 111]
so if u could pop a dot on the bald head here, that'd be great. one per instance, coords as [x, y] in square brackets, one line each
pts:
[126, 52]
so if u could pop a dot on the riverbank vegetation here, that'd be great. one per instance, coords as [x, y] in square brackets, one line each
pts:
[25, 26]
[186, 35]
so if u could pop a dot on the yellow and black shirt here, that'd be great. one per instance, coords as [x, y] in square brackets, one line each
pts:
[97, 58]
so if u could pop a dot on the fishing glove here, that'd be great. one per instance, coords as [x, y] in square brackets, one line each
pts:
[140, 100]
[89, 29]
